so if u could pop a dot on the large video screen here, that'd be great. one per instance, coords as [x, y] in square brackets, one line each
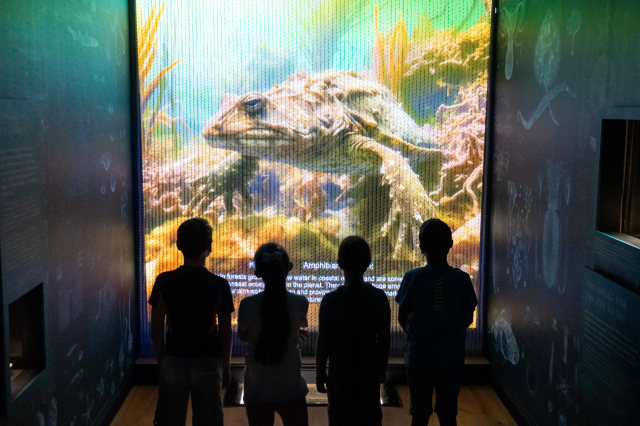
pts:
[303, 122]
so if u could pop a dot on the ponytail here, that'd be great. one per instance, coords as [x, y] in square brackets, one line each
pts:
[272, 264]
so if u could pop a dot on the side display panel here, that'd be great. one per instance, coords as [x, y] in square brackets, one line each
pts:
[610, 331]
[67, 258]
[303, 122]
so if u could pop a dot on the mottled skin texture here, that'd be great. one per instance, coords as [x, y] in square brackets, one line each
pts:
[334, 122]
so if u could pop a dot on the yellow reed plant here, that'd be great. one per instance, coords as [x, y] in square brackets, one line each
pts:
[390, 52]
[147, 47]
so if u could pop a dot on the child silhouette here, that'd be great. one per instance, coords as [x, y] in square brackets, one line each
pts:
[436, 304]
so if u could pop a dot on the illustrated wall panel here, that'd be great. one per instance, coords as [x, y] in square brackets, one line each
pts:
[561, 65]
[303, 122]
[66, 196]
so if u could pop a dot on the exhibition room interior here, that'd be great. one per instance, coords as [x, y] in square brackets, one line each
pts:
[302, 122]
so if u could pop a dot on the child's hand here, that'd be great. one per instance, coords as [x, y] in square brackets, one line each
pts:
[214, 322]
[303, 334]
[217, 308]
[226, 378]
[321, 387]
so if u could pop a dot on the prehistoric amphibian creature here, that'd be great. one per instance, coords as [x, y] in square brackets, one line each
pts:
[334, 122]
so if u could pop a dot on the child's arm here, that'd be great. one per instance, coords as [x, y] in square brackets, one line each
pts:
[403, 314]
[468, 318]
[469, 302]
[224, 331]
[243, 335]
[158, 313]
[323, 347]
[404, 302]
[302, 333]
[243, 330]
[383, 333]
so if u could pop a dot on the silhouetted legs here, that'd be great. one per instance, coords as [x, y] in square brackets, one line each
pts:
[293, 413]
[421, 387]
[179, 376]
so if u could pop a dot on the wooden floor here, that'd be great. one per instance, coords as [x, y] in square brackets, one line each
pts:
[477, 406]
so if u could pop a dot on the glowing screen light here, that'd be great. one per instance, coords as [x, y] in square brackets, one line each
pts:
[303, 122]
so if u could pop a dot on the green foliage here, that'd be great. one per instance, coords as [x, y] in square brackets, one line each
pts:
[319, 26]
[448, 14]
[161, 90]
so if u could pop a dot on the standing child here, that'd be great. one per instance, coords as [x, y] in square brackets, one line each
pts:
[354, 334]
[436, 308]
[270, 322]
[197, 349]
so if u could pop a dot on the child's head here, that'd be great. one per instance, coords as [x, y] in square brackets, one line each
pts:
[272, 262]
[194, 238]
[435, 238]
[354, 255]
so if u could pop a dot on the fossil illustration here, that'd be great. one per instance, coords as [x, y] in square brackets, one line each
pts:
[546, 66]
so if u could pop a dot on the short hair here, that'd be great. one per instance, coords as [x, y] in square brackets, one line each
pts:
[194, 237]
[435, 237]
[354, 255]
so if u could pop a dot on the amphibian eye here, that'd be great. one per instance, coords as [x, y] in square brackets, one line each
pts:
[253, 103]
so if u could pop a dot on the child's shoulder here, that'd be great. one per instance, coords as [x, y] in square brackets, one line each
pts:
[331, 296]
[416, 271]
[167, 275]
[298, 298]
[250, 307]
[377, 291]
[379, 296]
[424, 271]
[217, 278]
[413, 273]
[298, 302]
[459, 274]
[251, 300]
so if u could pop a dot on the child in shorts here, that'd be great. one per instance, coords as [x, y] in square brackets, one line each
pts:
[196, 358]
[436, 305]
[354, 336]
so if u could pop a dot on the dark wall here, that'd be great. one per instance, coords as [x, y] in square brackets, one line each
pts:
[66, 199]
[561, 67]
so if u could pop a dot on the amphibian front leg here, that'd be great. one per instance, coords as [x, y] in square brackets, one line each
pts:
[410, 204]
[227, 178]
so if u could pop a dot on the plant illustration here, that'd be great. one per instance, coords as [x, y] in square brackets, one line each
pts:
[546, 66]
[573, 26]
[390, 52]
[511, 22]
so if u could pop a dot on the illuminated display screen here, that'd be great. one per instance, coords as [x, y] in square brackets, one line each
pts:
[303, 122]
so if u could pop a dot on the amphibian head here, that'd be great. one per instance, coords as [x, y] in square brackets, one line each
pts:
[294, 115]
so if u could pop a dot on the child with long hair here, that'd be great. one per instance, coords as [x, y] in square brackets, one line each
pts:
[270, 323]
[354, 335]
